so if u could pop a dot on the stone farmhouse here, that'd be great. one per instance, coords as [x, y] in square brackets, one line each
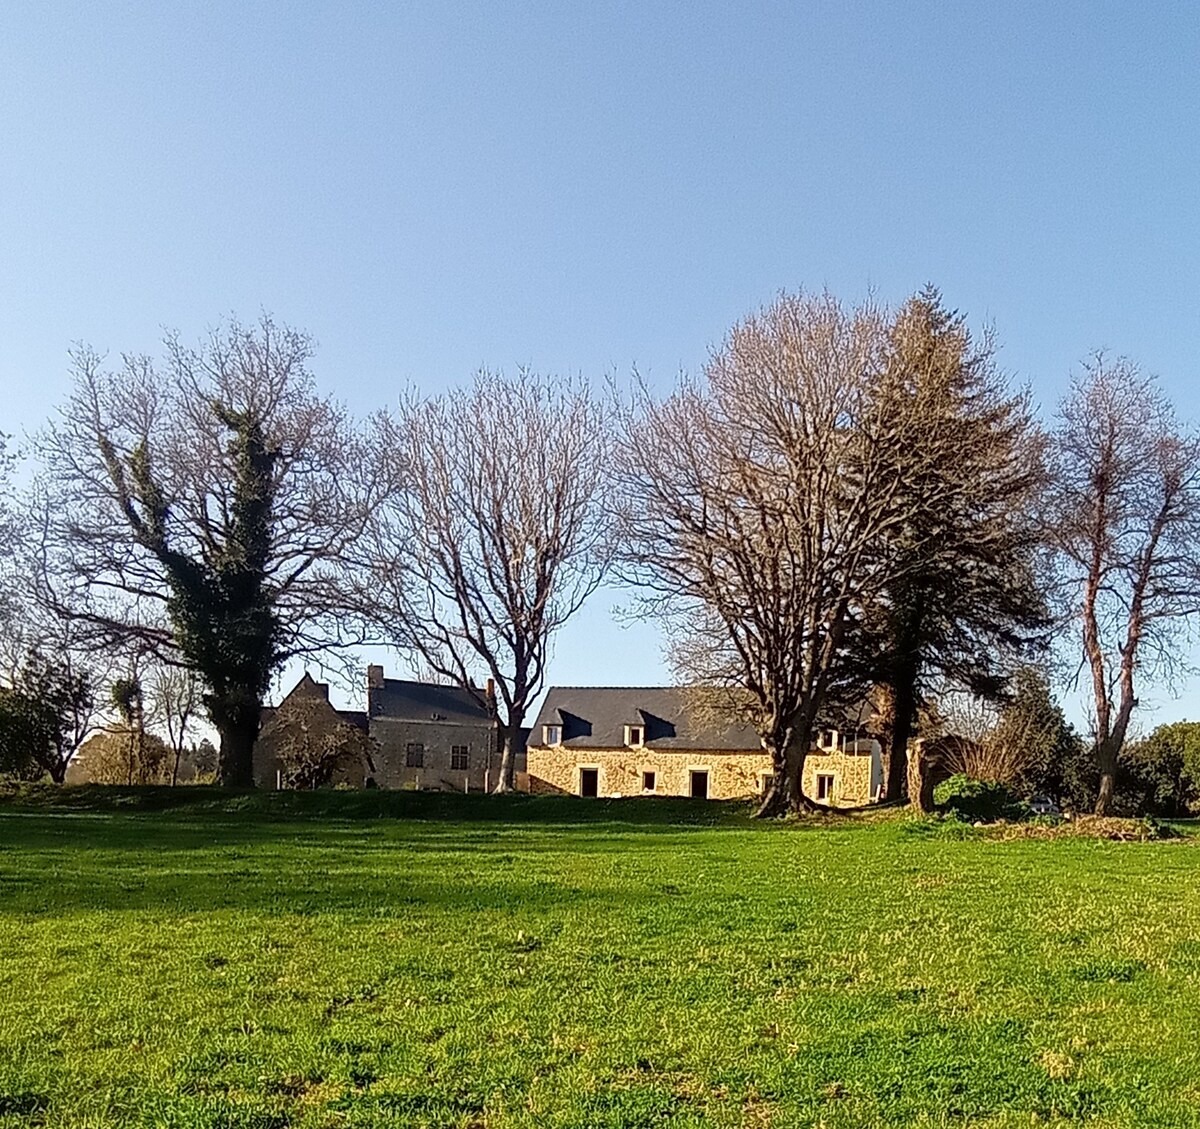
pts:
[411, 735]
[665, 741]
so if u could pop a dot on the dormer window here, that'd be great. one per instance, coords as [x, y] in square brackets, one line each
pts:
[827, 740]
[635, 736]
[551, 734]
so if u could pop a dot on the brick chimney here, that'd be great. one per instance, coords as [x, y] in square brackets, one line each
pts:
[491, 689]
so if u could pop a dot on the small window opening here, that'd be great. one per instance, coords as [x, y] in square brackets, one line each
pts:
[552, 734]
[824, 786]
[649, 780]
[634, 735]
[414, 755]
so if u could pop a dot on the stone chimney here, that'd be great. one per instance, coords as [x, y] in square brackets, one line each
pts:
[491, 689]
[374, 677]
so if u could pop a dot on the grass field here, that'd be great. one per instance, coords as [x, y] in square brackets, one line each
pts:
[362, 960]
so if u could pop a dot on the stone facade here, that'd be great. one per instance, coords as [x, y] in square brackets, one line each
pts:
[614, 741]
[442, 749]
[856, 777]
[621, 772]
[854, 774]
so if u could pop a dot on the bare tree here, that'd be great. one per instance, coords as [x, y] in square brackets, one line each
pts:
[175, 702]
[493, 537]
[755, 508]
[1123, 520]
[201, 508]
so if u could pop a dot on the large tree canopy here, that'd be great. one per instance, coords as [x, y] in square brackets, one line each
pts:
[962, 605]
[199, 506]
[756, 506]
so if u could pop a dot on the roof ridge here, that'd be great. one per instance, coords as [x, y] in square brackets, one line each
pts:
[549, 688]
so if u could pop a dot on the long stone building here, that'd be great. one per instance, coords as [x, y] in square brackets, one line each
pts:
[670, 741]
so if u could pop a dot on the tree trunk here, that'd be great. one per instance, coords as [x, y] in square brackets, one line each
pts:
[510, 738]
[237, 719]
[236, 757]
[1106, 761]
[904, 707]
[786, 795]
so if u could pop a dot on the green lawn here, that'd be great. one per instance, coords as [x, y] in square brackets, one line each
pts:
[367, 959]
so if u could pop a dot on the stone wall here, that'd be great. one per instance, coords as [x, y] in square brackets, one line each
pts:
[393, 736]
[730, 775]
[857, 776]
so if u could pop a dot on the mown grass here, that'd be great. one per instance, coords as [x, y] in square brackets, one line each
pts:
[201, 959]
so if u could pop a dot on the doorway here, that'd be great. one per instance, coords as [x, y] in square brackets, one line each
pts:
[589, 782]
[699, 779]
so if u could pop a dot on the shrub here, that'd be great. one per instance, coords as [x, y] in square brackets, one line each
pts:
[978, 800]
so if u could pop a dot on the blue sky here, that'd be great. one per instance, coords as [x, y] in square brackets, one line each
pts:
[588, 187]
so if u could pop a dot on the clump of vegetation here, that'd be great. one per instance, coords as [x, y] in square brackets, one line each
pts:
[978, 801]
[1114, 828]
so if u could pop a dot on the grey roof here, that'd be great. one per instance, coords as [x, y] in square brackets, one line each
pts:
[594, 717]
[398, 700]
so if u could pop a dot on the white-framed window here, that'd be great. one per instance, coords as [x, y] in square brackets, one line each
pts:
[460, 756]
[764, 782]
[825, 786]
[635, 735]
[551, 734]
[827, 740]
[649, 781]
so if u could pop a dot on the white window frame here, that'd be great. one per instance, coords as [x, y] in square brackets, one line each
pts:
[649, 772]
[641, 732]
[821, 778]
[827, 740]
[546, 731]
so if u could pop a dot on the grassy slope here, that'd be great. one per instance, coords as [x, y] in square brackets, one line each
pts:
[269, 961]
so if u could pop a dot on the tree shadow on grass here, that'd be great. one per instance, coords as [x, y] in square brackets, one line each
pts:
[457, 807]
[56, 863]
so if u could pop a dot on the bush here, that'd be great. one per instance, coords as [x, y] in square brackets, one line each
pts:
[981, 801]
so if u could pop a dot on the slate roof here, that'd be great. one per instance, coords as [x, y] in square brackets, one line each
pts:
[399, 700]
[594, 717]
[674, 717]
